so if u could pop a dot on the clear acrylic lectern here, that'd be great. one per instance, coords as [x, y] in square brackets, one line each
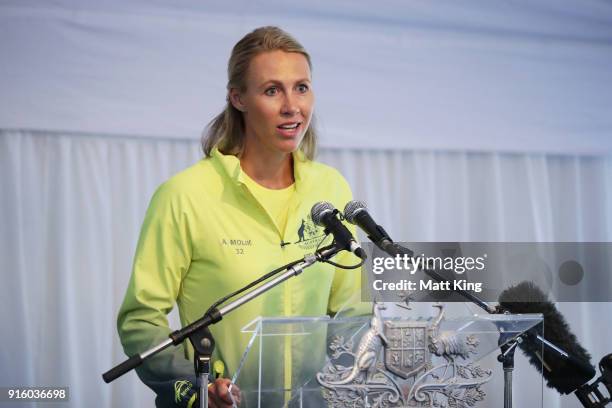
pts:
[324, 362]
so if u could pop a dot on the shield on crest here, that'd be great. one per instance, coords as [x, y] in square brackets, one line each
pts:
[407, 350]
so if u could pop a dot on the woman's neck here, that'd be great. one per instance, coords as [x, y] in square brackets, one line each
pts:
[272, 170]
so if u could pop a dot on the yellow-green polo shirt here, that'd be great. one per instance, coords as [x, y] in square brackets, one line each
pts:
[206, 235]
[274, 201]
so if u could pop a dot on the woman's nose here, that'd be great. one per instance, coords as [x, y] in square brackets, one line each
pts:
[289, 107]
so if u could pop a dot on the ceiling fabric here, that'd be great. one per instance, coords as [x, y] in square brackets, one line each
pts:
[475, 75]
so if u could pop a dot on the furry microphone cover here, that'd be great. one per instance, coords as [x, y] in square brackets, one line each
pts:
[561, 373]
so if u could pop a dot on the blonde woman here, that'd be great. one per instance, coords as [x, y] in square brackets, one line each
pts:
[241, 211]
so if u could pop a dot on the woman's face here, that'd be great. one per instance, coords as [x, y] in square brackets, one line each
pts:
[278, 101]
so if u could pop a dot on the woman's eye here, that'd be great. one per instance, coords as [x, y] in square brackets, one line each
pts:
[302, 88]
[271, 91]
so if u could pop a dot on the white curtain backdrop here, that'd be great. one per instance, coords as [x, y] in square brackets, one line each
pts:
[72, 205]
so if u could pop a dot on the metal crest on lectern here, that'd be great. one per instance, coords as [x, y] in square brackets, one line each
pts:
[407, 352]
[407, 363]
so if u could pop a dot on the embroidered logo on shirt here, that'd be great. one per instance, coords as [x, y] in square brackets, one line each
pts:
[308, 234]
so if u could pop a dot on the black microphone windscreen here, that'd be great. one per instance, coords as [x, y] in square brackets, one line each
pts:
[562, 374]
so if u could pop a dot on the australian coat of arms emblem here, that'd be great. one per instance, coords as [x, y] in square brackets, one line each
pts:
[404, 363]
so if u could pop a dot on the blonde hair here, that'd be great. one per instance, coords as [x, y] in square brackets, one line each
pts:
[226, 130]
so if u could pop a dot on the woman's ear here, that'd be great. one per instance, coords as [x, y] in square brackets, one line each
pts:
[236, 99]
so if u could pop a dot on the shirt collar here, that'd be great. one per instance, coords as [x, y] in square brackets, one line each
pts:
[231, 166]
[229, 163]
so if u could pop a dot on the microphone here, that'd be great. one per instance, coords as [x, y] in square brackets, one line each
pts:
[325, 215]
[566, 364]
[356, 213]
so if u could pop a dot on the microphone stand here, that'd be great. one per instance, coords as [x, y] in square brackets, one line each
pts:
[203, 346]
[590, 394]
[507, 359]
[198, 331]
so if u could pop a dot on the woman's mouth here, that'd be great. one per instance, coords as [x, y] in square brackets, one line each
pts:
[289, 129]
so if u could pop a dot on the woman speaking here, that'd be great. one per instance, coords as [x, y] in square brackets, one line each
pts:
[238, 213]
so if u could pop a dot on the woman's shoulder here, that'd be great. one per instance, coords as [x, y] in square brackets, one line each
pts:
[322, 171]
[323, 177]
[196, 179]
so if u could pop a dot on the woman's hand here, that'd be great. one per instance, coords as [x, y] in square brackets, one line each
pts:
[219, 394]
